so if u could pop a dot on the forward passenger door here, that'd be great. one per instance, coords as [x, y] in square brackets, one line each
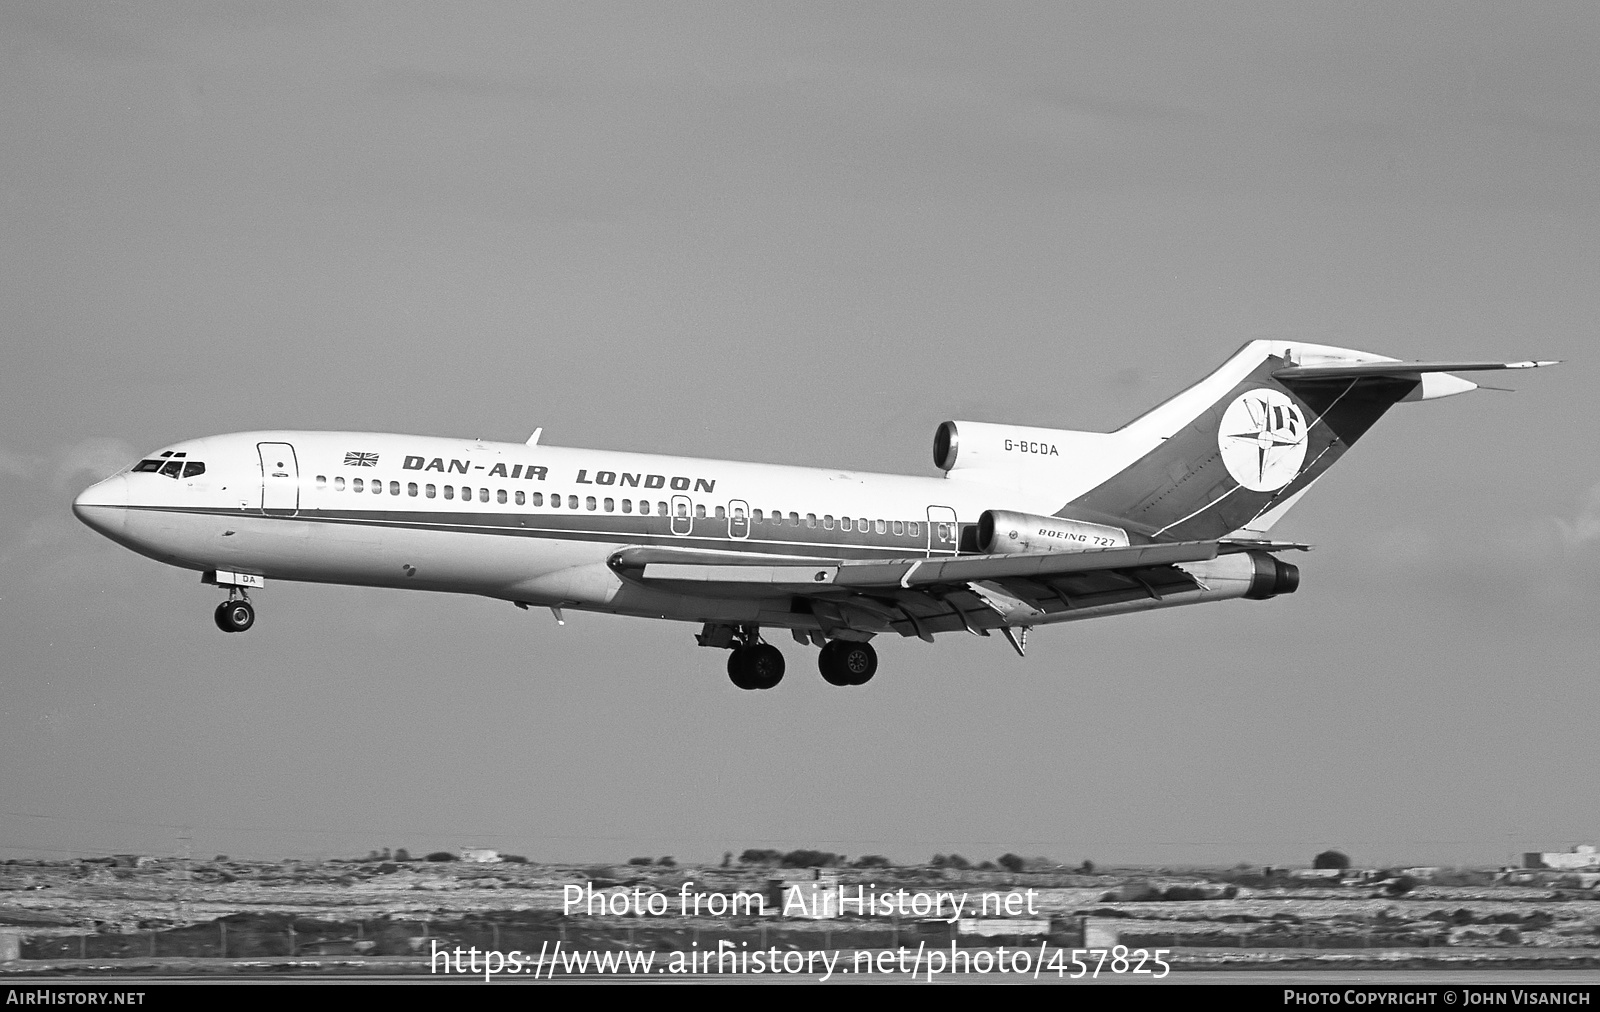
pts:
[280, 479]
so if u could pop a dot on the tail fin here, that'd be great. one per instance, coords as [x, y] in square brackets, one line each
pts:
[1236, 450]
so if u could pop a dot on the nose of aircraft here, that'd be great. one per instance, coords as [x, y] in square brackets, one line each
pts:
[103, 505]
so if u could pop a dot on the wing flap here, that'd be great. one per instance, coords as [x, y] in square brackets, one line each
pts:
[748, 572]
[804, 576]
[967, 569]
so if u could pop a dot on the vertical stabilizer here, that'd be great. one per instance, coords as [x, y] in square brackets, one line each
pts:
[1236, 450]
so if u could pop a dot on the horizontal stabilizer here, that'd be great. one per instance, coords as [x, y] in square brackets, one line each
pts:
[1353, 370]
[1260, 544]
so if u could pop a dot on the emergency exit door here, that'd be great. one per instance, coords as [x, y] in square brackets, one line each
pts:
[943, 532]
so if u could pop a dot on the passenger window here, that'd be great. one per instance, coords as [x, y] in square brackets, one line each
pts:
[827, 521]
[683, 509]
[911, 529]
[500, 496]
[377, 486]
[572, 502]
[322, 479]
[538, 498]
[755, 515]
[845, 523]
[662, 510]
[881, 527]
[700, 511]
[411, 489]
[644, 507]
[394, 488]
[338, 484]
[611, 505]
[811, 520]
[627, 505]
[449, 491]
[899, 527]
[429, 490]
[522, 498]
[722, 514]
[794, 520]
[356, 485]
[483, 495]
[172, 468]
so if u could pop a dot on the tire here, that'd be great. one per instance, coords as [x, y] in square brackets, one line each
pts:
[828, 663]
[858, 662]
[236, 616]
[739, 668]
[220, 616]
[765, 664]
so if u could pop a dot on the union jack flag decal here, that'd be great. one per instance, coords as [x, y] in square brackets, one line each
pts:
[361, 460]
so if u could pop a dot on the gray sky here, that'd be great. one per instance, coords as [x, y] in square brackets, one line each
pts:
[807, 234]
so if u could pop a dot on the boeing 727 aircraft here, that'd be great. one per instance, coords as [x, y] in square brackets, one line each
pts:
[1026, 526]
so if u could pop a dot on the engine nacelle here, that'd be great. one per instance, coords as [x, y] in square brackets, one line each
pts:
[1001, 532]
[999, 447]
[1272, 577]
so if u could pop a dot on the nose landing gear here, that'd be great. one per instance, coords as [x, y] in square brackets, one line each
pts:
[235, 614]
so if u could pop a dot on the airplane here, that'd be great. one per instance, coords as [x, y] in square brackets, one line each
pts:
[1024, 526]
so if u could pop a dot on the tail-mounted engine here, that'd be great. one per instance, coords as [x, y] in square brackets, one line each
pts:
[968, 446]
[1001, 532]
[1272, 577]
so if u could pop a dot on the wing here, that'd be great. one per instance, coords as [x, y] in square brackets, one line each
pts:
[923, 596]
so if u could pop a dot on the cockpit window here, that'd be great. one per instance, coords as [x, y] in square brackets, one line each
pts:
[170, 465]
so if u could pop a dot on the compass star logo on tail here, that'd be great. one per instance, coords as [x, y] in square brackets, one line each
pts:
[1263, 439]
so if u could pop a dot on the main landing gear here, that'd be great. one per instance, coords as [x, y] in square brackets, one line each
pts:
[235, 614]
[846, 662]
[753, 664]
[756, 666]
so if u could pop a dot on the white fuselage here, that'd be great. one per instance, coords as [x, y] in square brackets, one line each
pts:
[392, 510]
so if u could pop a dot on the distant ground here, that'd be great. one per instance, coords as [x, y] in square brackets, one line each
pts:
[390, 913]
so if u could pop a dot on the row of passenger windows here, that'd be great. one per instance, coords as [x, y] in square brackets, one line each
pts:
[644, 507]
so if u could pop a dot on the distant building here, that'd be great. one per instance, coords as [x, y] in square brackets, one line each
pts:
[1582, 857]
[480, 855]
[1004, 927]
[1307, 873]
